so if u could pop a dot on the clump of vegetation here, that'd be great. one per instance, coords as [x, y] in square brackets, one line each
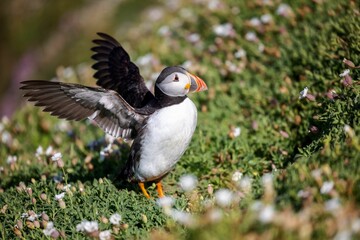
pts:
[275, 154]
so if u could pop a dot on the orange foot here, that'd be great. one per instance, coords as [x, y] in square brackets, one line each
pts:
[142, 187]
[159, 189]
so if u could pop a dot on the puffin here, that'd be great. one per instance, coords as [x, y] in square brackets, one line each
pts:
[160, 124]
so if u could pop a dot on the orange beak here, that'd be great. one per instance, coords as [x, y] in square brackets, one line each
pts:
[197, 84]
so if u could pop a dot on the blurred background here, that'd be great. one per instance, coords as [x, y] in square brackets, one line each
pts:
[39, 37]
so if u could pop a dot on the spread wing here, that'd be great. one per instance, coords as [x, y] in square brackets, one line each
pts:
[76, 102]
[115, 71]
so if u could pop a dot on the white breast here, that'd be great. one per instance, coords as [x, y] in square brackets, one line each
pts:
[169, 131]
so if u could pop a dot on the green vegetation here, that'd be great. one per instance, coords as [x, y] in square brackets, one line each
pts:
[287, 166]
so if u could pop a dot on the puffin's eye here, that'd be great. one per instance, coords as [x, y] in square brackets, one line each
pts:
[176, 78]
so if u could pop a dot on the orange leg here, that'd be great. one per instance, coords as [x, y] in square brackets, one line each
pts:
[142, 187]
[159, 189]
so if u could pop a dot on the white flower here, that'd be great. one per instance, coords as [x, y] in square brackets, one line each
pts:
[164, 31]
[6, 138]
[240, 53]
[255, 22]
[11, 159]
[261, 47]
[49, 229]
[67, 187]
[223, 30]
[266, 214]
[193, 38]
[303, 93]
[187, 64]
[349, 130]
[24, 215]
[32, 218]
[266, 18]
[87, 226]
[105, 235]
[344, 73]
[59, 196]
[182, 217]
[39, 151]
[245, 184]
[332, 205]
[56, 157]
[165, 202]
[236, 176]
[237, 131]
[251, 36]
[224, 197]
[115, 219]
[49, 151]
[327, 187]
[188, 182]
[145, 60]
[284, 10]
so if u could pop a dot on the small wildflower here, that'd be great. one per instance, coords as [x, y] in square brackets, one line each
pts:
[105, 235]
[49, 230]
[261, 47]
[193, 38]
[67, 187]
[188, 182]
[332, 205]
[284, 10]
[245, 184]
[237, 131]
[182, 217]
[349, 130]
[56, 157]
[303, 93]
[115, 219]
[145, 60]
[255, 22]
[266, 214]
[39, 151]
[327, 187]
[224, 30]
[49, 151]
[251, 37]
[87, 226]
[11, 160]
[350, 64]
[164, 31]
[344, 73]
[165, 202]
[59, 196]
[224, 197]
[236, 176]
[266, 18]
[6, 138]
[241, 53]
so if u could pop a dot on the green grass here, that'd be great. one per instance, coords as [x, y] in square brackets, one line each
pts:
[310, 146]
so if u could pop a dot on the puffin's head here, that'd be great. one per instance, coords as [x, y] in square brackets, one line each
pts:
[176, 81]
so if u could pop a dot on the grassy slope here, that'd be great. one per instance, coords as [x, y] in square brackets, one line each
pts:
[260, 95]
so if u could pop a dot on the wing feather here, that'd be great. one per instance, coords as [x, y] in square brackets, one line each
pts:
[115, 71]
[76, 102]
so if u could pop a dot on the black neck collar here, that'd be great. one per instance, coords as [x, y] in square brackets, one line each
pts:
[165, 100]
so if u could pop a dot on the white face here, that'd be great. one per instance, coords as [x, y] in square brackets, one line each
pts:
[176, 84]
